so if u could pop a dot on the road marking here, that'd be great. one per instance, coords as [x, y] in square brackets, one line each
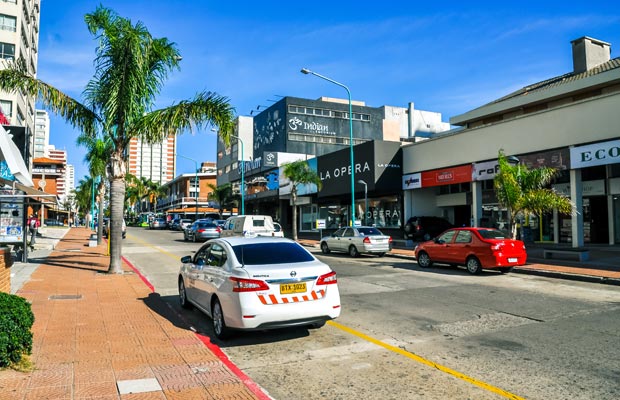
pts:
[424, 361]
[171, 255]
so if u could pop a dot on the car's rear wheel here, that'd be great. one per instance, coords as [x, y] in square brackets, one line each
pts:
[325, 248]
[219, 326]
[194, 238]
[473, 265]
[183, 295]
[424, 260]
[353, 251]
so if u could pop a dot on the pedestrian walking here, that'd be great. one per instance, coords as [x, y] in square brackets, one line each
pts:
[33, 225]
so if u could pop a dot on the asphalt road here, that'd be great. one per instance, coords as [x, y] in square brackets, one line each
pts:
[408, 333]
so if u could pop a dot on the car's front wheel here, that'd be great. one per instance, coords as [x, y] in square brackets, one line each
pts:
[183, 295]
[325, 248]
[219, 325]
[473, 265]
[424, 260]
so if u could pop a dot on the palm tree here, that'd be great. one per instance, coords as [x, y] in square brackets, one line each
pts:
[299, 173]
[131, 67]
[97, 154]
[222, 195]
[83, 194]
[525, 191]
[153, 192]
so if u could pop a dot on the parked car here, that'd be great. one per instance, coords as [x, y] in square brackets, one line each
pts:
[258, 283]
[220, 222]
[201, 231]
[158, 223]
[475, 248]
[250, 226]
[356, 240]
[175, 224]
[425, 228]
[106, 228]
[185, 223]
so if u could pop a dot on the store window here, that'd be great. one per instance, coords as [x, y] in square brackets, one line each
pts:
[383, 212]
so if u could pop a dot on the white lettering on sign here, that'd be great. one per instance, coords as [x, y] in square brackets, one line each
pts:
[343, 171]
[310, 127]
[595, 154]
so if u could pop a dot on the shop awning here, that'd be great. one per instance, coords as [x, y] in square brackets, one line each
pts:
[28, 192]
[9, 153]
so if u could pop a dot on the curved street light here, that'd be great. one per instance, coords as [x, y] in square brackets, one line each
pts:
[306, 71]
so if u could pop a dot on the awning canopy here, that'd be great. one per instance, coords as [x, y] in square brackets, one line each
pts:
[9, 153]
[28, 192]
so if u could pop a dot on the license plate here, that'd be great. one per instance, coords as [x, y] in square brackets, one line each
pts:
[289, 288]
[512, 259]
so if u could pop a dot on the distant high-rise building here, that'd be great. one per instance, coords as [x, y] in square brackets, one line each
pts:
[55, 154]
[153, 161]
[19, 41]
[41, 133]
[70, 178]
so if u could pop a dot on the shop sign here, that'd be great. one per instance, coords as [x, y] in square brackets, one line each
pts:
[595, 154]
[412, 181]
[484, 171]
[588, 188]
[271, 159]
[295, 124]
[447, 176]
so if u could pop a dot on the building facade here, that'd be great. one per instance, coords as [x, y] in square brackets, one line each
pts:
[154, 161]
[41, 137]
[569, 122]
[19, 41]
[320, 131]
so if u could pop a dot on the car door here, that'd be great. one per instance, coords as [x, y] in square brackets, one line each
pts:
[440, 250]
[460, 247]
[215, 273]
[199, 286]
[335, 241]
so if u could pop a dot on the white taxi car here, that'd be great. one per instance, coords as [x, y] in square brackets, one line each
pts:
[258, 283]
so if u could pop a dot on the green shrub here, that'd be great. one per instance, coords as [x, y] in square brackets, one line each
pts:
[16, 319]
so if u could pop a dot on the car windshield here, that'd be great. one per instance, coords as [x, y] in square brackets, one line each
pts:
[369, 231]
[271, 253]
[492, 234]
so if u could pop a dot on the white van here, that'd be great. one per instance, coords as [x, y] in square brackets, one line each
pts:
[251, 226]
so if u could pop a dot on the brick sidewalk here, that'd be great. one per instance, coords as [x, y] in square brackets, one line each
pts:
[101, 336]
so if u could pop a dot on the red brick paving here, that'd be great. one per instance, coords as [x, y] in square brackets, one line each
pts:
[82, 347]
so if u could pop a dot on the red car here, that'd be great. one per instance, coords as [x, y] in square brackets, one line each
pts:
[475, 248]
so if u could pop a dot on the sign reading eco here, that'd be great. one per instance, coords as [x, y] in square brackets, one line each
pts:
[595, 154]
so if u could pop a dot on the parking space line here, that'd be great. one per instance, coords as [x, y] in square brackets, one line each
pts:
[424, 361]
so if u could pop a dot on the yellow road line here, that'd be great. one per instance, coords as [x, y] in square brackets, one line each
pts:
[424, 361]
[395, 349]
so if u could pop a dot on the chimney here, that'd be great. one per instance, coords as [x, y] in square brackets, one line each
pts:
[589, 53]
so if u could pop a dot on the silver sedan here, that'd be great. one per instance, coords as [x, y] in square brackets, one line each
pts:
[356, 240]
[201, 231]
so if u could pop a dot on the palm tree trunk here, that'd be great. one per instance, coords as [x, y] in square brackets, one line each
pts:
[117, 199]
[100, 214]
[294, 197]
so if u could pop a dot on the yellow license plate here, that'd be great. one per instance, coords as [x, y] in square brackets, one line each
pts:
[289, 288]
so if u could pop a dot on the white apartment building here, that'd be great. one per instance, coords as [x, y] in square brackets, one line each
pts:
[19, 40]
[153, 161]
[41, 133]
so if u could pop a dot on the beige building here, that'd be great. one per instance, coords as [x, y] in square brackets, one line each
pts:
[569, 122]
[19, 40]
[153, 161]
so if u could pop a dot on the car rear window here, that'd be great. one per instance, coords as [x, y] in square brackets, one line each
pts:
[271, 253]
[207, 225]
[492, 234]
[369, 231]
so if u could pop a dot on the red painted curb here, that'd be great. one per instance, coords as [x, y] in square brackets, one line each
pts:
[247, 381]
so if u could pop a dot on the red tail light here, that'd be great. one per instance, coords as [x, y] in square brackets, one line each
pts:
[218, 229]
[200, 230]
[366, 239]
[327, 279]
[390, 239]
[248, 285]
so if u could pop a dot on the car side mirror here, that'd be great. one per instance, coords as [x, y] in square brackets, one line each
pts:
[186, 259]
[438, 241]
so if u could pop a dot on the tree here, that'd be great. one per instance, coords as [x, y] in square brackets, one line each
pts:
[153, 192]
[299, 173]
[222, 195]
[525, 191]
[131, 67]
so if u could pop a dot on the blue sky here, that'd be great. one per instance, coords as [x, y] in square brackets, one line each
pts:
[447, 57]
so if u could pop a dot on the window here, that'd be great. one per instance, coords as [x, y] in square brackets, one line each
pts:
[6, 107]
[284, 253]
[7, 51]
[463, 237]
[447, 237]
[327, 113]
[8, 23]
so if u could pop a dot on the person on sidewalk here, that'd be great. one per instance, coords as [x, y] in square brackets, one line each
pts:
[33, 226]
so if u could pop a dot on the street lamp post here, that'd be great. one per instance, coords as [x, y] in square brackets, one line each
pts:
[307, 71]
[197, 188]
[365, 201]
[242, 175]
